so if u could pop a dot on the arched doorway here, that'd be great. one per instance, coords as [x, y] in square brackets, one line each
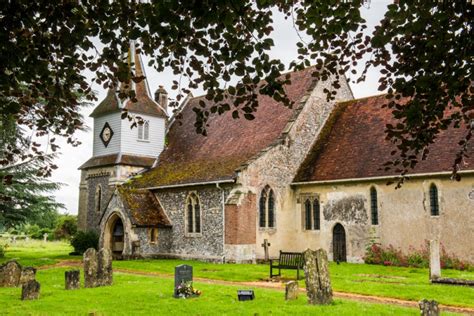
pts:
[339, 243]
[114, 235]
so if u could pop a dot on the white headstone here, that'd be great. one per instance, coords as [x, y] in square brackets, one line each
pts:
[435, 265]
[45, 237]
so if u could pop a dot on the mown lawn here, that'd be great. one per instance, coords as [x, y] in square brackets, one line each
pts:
[394, 282]
[38, 253]
[132, 294]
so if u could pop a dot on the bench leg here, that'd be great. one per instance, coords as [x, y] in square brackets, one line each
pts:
[271, 270]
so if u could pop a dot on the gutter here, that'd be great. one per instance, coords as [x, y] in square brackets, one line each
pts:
[415, 175]
[190, 184]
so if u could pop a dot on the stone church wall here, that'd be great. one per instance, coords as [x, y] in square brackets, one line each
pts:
[404, 219]
[278, 165]
[207, 245]
[94, 215]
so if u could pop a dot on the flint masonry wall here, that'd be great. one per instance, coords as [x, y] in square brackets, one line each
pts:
[277, 167]
[209, 244]
[108, 177]
[404, 215]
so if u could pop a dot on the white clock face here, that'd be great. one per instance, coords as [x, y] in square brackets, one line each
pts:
[106, 134]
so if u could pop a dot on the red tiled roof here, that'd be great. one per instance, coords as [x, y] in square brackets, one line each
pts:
[143, 207]
[353, 145]
[144, 104]
[191, 157]
[110, 160]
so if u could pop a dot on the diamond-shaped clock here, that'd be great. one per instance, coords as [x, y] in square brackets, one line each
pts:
[106, 134]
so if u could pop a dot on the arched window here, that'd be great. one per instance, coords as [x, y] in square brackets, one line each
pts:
[316, 215]
[271, 209]
[312, 216]
[434, 202]
[266, 208]
[193, 216]
[146, 131]
[262, 207]
[140, 131]
[374, 209]
[98, 198]
[307, 212]
[153, 235]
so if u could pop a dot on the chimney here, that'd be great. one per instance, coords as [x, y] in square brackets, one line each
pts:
[161, 97]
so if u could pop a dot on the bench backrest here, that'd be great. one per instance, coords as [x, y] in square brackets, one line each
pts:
[291, 259]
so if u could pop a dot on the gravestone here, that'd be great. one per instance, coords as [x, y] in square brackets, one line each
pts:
[291, 290]
[10, 274]
[182, 274]
[27, 274]
[90, 268]
[45, 237]
[318, 283]
[265, 246]
[435, 265]
[104, 267]
[73, 279]
[30, 290]
[429, 308]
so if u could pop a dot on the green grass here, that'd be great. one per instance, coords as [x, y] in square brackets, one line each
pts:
[394, 282]
[132, 294]
[38, 253]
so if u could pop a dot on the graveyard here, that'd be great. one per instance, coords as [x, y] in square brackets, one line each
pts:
[148, 286]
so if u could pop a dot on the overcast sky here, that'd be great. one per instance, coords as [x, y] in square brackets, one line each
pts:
[285, 39]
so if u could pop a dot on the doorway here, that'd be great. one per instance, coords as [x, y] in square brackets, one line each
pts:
[117, 236]
[339, 243]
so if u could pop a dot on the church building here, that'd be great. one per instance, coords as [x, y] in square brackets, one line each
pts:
[293, 178]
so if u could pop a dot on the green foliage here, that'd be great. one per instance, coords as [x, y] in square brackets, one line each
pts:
[82, 241]
[47, 219]
[211, 43]
[23, 189]
[419, 258]
[66, 227]
[3, 250]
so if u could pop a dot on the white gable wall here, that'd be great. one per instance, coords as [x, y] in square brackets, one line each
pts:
[130, 144]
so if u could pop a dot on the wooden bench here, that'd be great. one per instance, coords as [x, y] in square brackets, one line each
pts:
[288, 260]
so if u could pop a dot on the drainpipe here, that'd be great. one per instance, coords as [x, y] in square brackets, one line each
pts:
[223, 219]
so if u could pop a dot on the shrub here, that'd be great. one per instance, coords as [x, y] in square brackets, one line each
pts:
[82, 241]
[418, 258]
[66, 228]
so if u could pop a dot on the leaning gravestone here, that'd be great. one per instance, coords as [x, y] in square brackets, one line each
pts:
[72, 279]
[182, 274]
[429, 308]
[27, 274]
[318, 283]
[10, 274]
[104, 267]
[291, 290]
[30, 290]
[90, 268]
